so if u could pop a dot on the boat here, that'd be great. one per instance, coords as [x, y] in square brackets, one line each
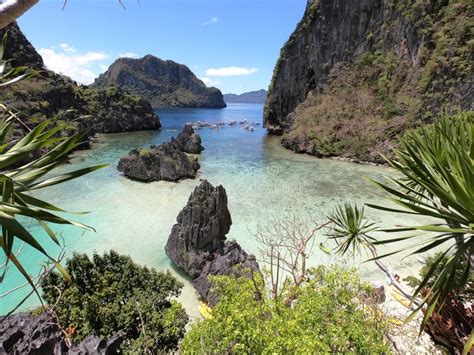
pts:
[397, 296]
[205, 310]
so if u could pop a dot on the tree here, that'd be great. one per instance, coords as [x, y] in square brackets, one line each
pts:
[285, 246]
[436, 165]
[109, 293]
[328, 316]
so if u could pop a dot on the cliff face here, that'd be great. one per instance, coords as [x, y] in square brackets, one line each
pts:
[356, 73]
[49, 95]
[163, 83]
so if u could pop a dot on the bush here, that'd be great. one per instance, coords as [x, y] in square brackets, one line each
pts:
[325, 315]
[111, 293]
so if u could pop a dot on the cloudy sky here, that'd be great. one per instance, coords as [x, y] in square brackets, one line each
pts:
[231, 44]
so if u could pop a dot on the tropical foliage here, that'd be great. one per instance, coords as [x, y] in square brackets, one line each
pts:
[436, 165]
[324, 315]
[110, 293]
[26, 164]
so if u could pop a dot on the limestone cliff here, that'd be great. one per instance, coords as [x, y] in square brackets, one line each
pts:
[355, 74]
[57, 97]
[163, 83]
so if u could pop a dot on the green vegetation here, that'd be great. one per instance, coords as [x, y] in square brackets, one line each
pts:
[361, 111]
[436, 164]
[23, 174]
[110, 293]
[416, 67]
[325, 315]
[144, 152]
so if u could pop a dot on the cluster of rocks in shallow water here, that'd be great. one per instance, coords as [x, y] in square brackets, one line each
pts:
[167, 161]
[244, 124]
[23, 333]
[198, 244]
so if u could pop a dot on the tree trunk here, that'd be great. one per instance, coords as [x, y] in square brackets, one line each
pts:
[10, 10]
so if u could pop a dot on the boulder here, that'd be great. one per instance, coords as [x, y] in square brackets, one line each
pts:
[23, 333]
[188, 141]
[197, 242]
[94, 345]
[163, 162]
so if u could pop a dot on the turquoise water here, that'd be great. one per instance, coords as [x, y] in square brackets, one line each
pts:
[262, 179]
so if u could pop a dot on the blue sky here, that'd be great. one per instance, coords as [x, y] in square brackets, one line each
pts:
[231, 44]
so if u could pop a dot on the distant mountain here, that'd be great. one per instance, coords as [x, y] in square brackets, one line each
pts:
[252, 97]
[163, 83]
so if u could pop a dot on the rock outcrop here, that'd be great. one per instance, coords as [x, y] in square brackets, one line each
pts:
[23, 333]
[163, 162]
[163, 83]
[198, 244]
[53, 96]
[188, 141]
[356, 74]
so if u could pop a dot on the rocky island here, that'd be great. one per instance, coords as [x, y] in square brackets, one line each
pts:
[355, 75]
[167, 161]
[198, 244]
[48, 95]
[163, 82]
[163, 162]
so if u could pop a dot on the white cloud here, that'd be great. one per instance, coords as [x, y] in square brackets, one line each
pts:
[211, 21]
[128, 55]
[231, 71]
[210, 82]
[79, 66]
[67, 48]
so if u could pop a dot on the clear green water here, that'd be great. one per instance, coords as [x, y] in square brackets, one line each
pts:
[262, 179]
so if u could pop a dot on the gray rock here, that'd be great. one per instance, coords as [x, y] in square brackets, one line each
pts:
[198, 245]
[163, 162]
[23, 333]
[94, 345]
[188, 141]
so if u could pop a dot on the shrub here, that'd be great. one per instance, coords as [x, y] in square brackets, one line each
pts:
[325, 315]
[110, 293]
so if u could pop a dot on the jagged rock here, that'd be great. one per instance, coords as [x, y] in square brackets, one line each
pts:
[188, 141]
[377, 295]
[163, 162]
[94, 345]
[23, 333]
[198, 245]
[232, 260]
[162, 82]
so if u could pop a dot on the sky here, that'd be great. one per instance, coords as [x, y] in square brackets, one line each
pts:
[230, 44]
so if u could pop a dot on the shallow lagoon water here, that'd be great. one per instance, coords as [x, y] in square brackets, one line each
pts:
[262, 179]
